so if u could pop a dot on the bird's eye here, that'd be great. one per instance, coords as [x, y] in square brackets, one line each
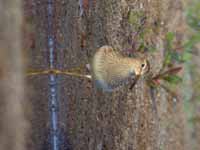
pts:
[143, 65]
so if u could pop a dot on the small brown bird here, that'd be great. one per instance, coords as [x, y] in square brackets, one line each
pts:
[111, 69]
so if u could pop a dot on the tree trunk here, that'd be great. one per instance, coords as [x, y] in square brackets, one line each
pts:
[13, 123]
[95, 120]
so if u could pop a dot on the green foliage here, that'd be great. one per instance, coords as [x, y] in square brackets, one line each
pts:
[186, 56]
[145, 46]
[174, 56]
[193, 20]
[193, 15]
[170, 54]
[169, 38]
[173, 79]
[198, 98]
[188, 47]
[195, 38]
[151, 48]
[134, 17]
[168, 58]
[179, 56]
[137, 20]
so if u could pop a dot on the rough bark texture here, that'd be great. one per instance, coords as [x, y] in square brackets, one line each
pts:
[91, 119]
[13, 123]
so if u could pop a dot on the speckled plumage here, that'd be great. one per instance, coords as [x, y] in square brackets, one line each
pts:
[111, 69]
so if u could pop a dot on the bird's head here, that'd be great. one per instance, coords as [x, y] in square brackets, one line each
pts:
[139, 66]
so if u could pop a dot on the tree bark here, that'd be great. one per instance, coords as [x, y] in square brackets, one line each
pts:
[13, 122]
[94, 120]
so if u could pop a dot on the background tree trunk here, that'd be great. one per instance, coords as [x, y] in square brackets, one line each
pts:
[13, 122]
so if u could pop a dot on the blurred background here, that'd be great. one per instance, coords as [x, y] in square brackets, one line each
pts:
[59, 112]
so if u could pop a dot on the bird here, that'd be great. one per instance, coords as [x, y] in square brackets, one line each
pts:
[111, 70]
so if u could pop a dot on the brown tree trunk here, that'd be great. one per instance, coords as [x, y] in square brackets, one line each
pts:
[94, 120]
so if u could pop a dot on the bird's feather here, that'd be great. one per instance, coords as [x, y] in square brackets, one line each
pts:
[111, 70]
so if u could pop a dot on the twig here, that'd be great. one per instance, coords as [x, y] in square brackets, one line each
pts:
[135, 81]
[55, 71]
[172, 71]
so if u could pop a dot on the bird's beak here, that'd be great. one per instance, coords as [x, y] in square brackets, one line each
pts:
[148, 66]
[134, 82]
